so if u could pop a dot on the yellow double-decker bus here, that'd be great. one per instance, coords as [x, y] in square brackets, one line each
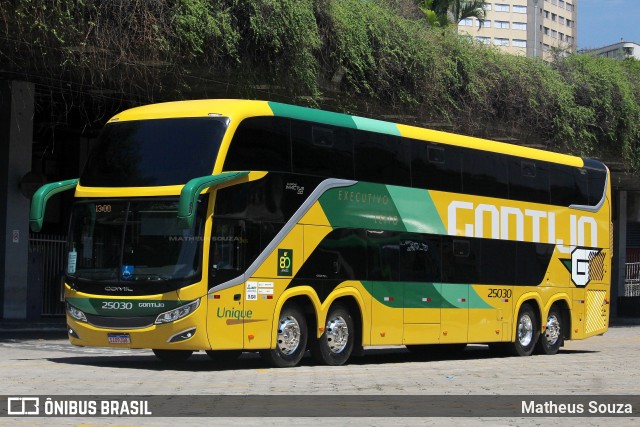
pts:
[232, 225]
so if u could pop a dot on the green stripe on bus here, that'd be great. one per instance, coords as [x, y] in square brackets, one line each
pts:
[309, 114]
[379, 126]
[425, 295]
[123, 307]
[417, 210]
[362, 205]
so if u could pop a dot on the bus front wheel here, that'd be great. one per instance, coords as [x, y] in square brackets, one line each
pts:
[173, 355]
[527, 332]
[292, 337]
[335, 345]
[551, 339]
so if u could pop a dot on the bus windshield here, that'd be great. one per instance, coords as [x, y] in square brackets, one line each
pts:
[145, 153]
[134, 241]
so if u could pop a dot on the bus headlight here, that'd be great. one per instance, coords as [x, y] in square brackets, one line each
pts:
[177, 313]
[75, 313]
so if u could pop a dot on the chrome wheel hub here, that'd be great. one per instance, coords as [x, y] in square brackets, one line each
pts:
[288, 335]
[552, 331]
[525, 330]
[337, 333]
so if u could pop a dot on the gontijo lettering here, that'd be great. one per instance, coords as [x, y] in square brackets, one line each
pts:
[499, 222]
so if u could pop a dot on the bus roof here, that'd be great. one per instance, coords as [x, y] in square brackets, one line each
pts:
[238, 110]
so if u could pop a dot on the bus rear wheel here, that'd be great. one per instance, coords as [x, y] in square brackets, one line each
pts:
[173, 355]
[292, 338]
[335, 345]
[551, 340]
[527, 332]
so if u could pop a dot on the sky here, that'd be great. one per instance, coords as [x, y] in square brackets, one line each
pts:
[605, 22]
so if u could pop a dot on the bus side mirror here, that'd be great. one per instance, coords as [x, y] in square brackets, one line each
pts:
[39, 201]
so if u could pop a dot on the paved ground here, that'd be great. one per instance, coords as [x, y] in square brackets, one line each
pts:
[600, 365]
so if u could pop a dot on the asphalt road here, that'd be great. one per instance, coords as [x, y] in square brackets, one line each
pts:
[604, 365]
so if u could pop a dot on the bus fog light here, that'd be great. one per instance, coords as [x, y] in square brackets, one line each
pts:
[72, 333]
[76, 314]
[184, 335]
[178, 313]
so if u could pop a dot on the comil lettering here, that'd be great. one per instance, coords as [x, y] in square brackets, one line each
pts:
[504, 221]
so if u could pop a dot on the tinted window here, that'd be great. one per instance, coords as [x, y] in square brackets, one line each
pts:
[597, 182]
[460, 260]
[420, 258]
[322, 150]
[528, 180]
[485, 174]
[436, 167]
[340, 256]
[383, 255]
[498, 261]
[382, 158]
[260, 143]
[569, 186]
[532, 262]
[154, 152]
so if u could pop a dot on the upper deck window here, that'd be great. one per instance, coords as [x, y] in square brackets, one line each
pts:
[145, 153]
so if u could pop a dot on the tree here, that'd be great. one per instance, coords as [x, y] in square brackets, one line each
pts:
[446, 12]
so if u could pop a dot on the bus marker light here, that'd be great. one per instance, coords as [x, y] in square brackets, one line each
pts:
[497, 331]
[505, 300]
[382, 334]
[216, 296]
[250, 336]
[321, 329]
[388, 298]
[426, 299]
[444, 332]
[462, 300]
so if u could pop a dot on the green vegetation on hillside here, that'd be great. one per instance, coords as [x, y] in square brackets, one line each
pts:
[371, 57]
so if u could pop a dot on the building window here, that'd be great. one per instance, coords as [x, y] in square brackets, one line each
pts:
[483, 40]
[554, 17]
[500, 7]
[519, 25]
[485, 24]
[570, 23]
[519, 9]
[562, 20]
[546, 14]
[561, 37]
[487, 6]
[545, 31]
[501, 42]
[561, 4]
[570, 7]
[467, 22]
[501, 24]
[518, 43]
[554, 34]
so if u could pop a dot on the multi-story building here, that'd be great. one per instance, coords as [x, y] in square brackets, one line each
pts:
[527, 27]
[621, 50]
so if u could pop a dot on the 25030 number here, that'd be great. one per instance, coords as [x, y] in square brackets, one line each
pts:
[500, 293]
[116, 305]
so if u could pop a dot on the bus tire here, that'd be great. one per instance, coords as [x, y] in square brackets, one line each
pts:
[172, 356]
[527, 332]
[291, 340]
[223, 356]
[335, 345]
[551, 340]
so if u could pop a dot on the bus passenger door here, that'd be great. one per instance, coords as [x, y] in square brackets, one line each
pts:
[225, 317]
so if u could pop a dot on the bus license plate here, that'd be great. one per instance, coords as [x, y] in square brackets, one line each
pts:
[119, 338]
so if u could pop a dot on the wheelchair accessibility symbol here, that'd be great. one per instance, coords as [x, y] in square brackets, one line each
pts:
[126, 272]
